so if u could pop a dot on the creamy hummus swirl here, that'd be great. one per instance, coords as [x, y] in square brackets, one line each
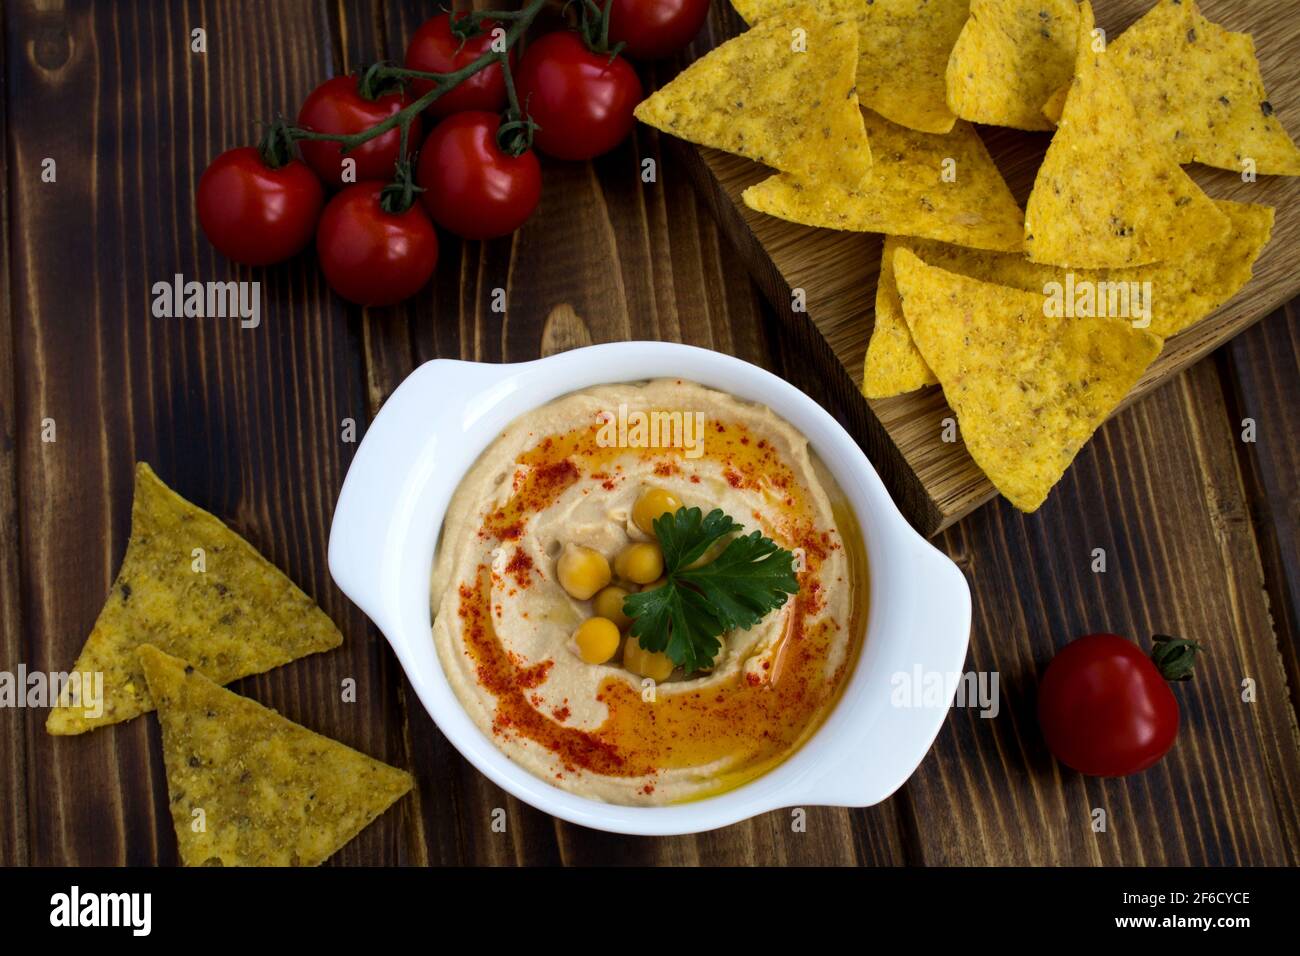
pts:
[570, 472]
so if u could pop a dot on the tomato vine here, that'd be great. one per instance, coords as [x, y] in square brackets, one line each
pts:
[493, 107]
[516, 131]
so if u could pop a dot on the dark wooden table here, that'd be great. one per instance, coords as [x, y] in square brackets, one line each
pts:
[1199, 527]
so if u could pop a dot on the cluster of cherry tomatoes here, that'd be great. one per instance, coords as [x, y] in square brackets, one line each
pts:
[375, 240]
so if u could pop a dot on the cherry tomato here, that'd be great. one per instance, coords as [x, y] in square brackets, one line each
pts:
[471, 185]
[435, 49]
[652, 29]
[373, 257]
[1105, 708]
[582, 101]
[337, 106]
[254, 214]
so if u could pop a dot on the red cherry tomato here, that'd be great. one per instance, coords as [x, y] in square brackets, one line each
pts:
[435, 49]
[471, 185]
[373, 257]
[652, 29]
[582, 101]
[1104, 707]
[254, 214]
[337, 106]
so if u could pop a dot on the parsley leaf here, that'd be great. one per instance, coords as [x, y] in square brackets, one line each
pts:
[685, 616]
[686, 535]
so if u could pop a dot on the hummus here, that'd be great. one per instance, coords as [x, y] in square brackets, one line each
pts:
[570, 473]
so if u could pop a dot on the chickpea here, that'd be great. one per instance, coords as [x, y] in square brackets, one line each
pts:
[581, 571]
[653, 664]
[632, 654]
[640, 563]
[653, 503]
[608, 603]
[597, 639]
[657, 666]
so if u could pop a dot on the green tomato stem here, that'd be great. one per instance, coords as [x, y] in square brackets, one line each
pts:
[1175, 657]
[519, 21]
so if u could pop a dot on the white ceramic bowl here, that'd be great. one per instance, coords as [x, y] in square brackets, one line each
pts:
[447, 412]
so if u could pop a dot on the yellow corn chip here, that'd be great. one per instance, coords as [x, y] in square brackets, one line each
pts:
[1055, 105]
[1107, 195]
[1028, 389]
[1197, 88]
[903, 52]
[268, 791]
[776, 97]
[1010, 57]
[894, 364]
[193, 587]
[935, 187]
[1180, 294]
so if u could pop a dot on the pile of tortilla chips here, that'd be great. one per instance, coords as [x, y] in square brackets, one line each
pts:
[1197, 89]
[1035, 322]
[1163, 298]
[1108, 195]
[906, 192]
[194, 606]
[1029, 388]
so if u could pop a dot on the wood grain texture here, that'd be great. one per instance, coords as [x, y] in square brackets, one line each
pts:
[1259, 371]
[14, 848]
[245, 422]
[1199, 528]
[1261, 385]
[838, 271]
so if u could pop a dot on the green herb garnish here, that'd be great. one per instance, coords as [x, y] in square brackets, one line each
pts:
[685, 615]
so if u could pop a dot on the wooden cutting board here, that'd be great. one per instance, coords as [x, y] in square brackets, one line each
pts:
[936, 482]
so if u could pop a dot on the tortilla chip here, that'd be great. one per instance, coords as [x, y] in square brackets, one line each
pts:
[1198, 89]
[272, 793]
[935, 187]
[1028, 389]
[755, 96]
[894, 364]
[903, 52]
[1055, 105]
[1182, 291]
[240, 616]
[1010, 57]
[1107, 195]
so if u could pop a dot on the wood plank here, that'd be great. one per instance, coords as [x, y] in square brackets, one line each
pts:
[14, 850]
[1161, 492]
[245, 422]
[1260, 372]
[1261, 368]
[838, 271]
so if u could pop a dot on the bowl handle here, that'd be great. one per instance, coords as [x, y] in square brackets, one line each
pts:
[874, 762]
[418, 437]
